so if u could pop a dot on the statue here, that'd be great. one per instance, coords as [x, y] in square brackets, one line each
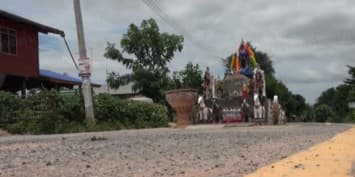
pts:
[258, 108]
[245, 92]
[258, 83]
[276, 111]
[207, 83]
[216, 111]
[204, 111]
[245, 111]
[282, 117]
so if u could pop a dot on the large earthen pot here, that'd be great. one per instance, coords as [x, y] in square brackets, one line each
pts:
[182, 101]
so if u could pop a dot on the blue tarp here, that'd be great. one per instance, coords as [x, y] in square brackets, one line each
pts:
[47, 74]
[54, 75]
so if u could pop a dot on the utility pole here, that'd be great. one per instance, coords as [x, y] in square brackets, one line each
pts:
[84, 65]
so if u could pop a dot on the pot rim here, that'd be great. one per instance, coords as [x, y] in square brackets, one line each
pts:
[181, 90]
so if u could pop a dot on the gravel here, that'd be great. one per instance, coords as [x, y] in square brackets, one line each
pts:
[221, 152]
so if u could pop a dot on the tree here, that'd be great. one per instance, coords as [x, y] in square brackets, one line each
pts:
[338, 98]
[264, 61]
[327, 97]
[300, 104]
[226, 63]
[190, 77]
[323, 113]
[351, 80]
[308, 113]
[115, 80]
[151, 51]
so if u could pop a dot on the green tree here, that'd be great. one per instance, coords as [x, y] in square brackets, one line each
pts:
[151, 51]
[351, 80]
[190, 77]
[327, 97]
[341, 102]
[308, 113]
[323, 113]
[264, 61]
[300, 104]
[226, 63]
[338, 98]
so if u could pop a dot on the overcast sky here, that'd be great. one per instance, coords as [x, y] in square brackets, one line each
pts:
[309, 42]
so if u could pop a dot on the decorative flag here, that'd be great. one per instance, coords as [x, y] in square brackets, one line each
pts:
[243, 55]
[232, 64]
[251, 55]
[237, 64]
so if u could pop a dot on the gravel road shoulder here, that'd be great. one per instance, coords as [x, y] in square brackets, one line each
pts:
[158, 152]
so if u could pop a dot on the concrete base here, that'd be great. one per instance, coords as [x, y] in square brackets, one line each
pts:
[207, 126]
[217, 126]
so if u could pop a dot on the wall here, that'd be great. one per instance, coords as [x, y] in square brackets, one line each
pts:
[25, 63]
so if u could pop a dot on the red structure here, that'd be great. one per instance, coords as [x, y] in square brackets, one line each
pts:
[19, 55]
[19, 45]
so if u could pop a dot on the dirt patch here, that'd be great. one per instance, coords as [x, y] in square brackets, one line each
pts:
[3, 133]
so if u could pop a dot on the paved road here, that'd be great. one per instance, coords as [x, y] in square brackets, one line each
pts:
[159, 152]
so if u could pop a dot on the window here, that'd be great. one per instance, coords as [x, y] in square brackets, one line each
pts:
[8, 41]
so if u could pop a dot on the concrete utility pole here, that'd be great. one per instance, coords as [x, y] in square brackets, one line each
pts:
[84, 65]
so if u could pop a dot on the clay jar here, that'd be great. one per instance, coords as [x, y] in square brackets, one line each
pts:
[182, 101]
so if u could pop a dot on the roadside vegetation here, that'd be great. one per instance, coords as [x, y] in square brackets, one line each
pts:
[334, 101]
[49, 112]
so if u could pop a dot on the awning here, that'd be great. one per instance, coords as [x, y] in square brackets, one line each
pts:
[59, 78]
[47, 79]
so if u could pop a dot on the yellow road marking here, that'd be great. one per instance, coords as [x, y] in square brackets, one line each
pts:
[332, 158]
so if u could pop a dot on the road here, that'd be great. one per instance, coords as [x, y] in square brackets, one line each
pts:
[213, 152]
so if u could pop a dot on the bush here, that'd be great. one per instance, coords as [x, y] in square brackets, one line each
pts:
[145, 115]
[48, 112]
[47, 125]
[43, 101]
[131, 114]
[66, 126]
[72, 108]
[323, 113]
[9, 103]
[107, 107]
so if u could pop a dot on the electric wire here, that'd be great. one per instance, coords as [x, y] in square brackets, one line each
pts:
[70, 53]
[154, 5]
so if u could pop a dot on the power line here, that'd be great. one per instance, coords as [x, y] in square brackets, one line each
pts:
[154, 5]
[176, 25]
[70, 53]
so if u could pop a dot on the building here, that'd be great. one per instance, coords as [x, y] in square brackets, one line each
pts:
[19, 56]
[123, 92]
